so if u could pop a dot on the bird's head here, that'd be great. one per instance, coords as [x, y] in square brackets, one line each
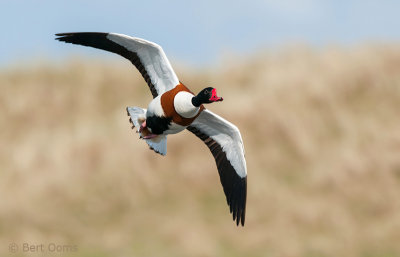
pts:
[206, 96]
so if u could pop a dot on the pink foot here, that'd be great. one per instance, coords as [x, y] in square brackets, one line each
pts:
[150, 136]
[142, 126]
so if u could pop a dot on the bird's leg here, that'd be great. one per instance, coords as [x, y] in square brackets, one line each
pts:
[145, 132]
[142, 126]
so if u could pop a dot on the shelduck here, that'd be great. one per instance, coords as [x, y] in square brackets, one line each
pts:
[175, 108]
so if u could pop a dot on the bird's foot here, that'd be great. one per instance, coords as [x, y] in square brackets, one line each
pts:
[144, 132]
[148, 136]
[142, 126]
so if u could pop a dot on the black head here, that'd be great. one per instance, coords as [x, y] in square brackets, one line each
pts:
[206, 96]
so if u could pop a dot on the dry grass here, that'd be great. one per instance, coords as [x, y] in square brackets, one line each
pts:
[323, 156]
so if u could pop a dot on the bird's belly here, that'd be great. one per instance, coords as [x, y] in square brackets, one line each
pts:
[163, 125]
[174, 128]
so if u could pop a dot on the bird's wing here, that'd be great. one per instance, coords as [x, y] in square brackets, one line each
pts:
[148, 57]
[225, 143]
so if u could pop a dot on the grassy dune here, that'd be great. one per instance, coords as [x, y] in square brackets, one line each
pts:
[322, 137]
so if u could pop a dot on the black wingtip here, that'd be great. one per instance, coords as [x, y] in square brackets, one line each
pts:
[81, 38]
[234, 186]
[74, 33]
[63, 37]
[68, 37]
[240, 219]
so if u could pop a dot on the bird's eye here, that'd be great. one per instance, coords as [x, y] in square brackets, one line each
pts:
[206, 91]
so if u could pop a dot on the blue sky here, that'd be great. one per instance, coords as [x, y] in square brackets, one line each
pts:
[196, 32]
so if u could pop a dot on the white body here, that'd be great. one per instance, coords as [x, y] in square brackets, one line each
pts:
[174, 128]
[183, 106]
[155, 108]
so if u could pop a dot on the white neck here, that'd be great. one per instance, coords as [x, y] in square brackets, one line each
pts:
[183, 105]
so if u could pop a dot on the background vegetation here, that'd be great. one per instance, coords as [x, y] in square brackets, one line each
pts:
[322, 135]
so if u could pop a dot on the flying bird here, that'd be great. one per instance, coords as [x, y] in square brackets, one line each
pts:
[175, 108]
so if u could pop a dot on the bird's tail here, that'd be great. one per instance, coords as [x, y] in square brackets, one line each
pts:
[137, 116]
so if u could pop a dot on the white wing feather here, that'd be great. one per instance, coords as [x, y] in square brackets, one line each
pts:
[153, 59]
[227, 135]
